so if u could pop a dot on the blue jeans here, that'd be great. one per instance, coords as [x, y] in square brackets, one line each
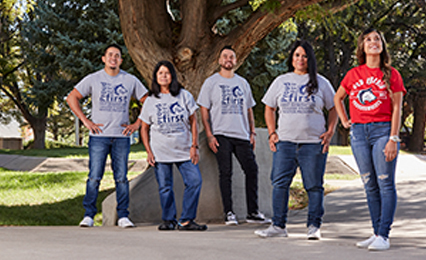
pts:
[118, 149]
[311, 160]
[368, 142]
[191, 178]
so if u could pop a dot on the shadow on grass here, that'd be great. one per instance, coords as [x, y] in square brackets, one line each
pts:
[65, 213]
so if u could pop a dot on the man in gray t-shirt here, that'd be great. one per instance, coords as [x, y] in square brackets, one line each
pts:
[111, 90]
[226, 104]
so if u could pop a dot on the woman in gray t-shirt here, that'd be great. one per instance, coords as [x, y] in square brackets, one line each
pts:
[170, 136]
[302, 139]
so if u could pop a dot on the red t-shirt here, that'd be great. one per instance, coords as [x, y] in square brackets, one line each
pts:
[369, 100]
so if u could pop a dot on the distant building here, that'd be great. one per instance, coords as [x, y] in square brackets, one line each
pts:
[10, 136]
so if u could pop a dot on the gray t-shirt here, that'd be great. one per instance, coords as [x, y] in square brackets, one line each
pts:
[228, 101]
[301, 118]
[110, 99]
[170, 131]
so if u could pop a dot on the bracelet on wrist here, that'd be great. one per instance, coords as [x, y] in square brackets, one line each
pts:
[269, 137]
[253, 133]
[195, 146]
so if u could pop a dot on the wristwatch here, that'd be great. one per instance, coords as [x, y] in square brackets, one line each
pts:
[394, 138]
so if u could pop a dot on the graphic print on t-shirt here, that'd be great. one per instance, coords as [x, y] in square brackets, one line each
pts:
[170, 118]
[232, 100]
[368, 95]
[113, 98]
[295, 99]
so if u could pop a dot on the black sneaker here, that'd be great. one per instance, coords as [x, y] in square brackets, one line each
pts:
[258, 218]
[168, 225]
[192, 226]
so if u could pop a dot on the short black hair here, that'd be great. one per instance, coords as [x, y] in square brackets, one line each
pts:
[115, 46]
[226, 47]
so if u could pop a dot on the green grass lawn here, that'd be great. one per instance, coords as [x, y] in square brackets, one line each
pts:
[47, 198]
[56, 198]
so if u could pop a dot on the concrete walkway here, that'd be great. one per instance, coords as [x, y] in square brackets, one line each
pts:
[346, 221]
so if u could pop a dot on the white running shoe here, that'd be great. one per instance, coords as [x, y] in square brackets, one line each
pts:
[272, 231]
[231, 219]
[367, 242]
[380, 243]
[314, 233]
[87, 222]
[125, 223]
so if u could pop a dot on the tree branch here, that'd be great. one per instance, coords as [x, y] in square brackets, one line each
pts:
[261, 23]
[221, 10]
[12, 70]
[337, 5]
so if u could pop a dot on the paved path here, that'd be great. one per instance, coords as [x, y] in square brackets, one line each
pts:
[45, 164]
[345, 222]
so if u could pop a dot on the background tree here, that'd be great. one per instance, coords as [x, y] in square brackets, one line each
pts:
[186, 32]
[58, 43]
[403, 23]
[11, 12]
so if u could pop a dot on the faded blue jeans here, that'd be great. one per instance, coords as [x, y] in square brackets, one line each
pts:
[311, 160]
[368, 142]
[191, 178]
[99, 148]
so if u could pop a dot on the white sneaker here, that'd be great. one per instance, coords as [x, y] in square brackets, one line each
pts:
[380, 243]
[367, 242]
[125, 223]
[272, 231]
[231, 219]
[314, 233]
[86, 222]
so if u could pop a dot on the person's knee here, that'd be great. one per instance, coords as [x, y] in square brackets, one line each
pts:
[195, 183]
[315, 189]
[94, 180]
[122, 180]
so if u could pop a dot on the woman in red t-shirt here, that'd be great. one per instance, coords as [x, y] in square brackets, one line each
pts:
[375, 91]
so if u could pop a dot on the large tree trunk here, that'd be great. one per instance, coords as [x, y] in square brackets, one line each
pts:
[191, 43]
[37, 122]
[416, 143]
[39, 129]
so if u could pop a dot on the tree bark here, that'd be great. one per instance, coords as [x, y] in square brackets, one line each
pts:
[39, 128]
[151, 34]
[416, 143]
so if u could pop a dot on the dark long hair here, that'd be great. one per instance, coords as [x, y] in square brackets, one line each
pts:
[385, 59]
[312, 86]
[174, 86]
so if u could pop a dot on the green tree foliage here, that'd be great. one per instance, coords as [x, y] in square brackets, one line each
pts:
[267, 61]
[403, 24]
[11, 12]
[60, 42]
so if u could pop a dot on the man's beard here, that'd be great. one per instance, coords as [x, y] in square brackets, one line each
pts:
[231, 67]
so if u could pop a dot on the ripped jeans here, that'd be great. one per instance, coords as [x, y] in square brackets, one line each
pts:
[368, 142]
